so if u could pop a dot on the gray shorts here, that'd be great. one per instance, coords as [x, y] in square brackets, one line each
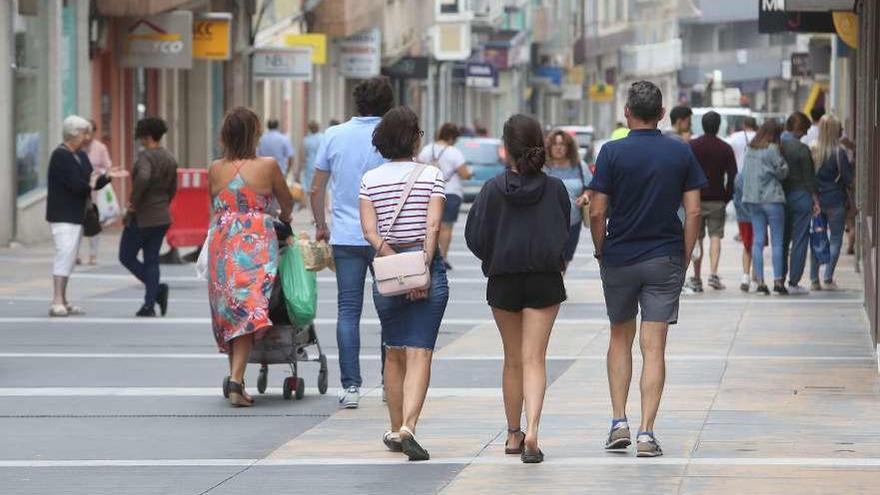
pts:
[654, 285]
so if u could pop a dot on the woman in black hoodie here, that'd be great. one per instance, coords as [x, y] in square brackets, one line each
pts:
[517, 227]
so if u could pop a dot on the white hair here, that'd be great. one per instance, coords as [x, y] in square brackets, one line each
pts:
[73, 126]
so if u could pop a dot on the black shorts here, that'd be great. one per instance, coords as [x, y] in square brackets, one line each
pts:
[516, 291]
[450, 211]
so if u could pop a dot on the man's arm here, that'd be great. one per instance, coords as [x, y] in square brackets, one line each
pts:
[731, 172]
[691, 202]
[598, 216]
[140, 181]
[318, 197]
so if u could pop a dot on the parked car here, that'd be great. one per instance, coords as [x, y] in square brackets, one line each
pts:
[583, 135]
[485, 156]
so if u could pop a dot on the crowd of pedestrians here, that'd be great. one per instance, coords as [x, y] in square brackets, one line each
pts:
[649, 203]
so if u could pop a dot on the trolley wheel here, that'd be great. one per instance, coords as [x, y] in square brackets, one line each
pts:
[226, 387]
[287, 387]
[262, 379]
[322, 375]
[300, 388]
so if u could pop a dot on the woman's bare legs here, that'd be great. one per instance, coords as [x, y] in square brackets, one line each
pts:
[395, 371]
[239, 351]
[415, 384]
[536, 327]
[510, 325]
[59, 290]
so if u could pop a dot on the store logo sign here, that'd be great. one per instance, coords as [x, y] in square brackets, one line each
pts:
[161, 41]
[773, 5]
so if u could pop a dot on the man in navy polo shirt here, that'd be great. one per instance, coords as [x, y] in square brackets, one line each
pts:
[643, 252]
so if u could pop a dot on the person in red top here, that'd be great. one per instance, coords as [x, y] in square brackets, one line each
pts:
[719, 164]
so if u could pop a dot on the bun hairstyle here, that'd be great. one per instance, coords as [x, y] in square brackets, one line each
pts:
[524, 140]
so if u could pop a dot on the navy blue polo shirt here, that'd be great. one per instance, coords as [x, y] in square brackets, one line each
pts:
[645, 175]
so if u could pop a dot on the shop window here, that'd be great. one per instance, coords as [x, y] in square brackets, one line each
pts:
[31, 121]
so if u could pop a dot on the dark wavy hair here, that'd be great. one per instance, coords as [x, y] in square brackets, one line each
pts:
[373, 97]
[571, 147]
[524, 140]
[240, 134]
[397, 134]
[148, 126]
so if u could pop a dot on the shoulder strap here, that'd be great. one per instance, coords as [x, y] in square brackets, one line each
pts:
[404, 194]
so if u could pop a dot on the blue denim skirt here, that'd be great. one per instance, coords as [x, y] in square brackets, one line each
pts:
[408, 323]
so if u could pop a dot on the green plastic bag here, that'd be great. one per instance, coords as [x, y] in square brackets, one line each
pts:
[300, 287]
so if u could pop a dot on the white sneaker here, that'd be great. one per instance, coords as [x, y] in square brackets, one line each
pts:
[349, 398]
[797, 290]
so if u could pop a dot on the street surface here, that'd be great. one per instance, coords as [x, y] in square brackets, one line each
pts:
[764, 395]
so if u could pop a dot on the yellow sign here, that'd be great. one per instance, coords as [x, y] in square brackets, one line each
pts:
[317, 41]
[601, 92]
[847, 26]
[212, 38]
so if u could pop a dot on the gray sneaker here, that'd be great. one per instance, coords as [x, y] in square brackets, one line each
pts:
[619, 437]
[715, 282]
[695, 284]
[349, 398]
[647, 445]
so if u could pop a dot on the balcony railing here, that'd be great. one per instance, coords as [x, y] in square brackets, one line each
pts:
[651, 59]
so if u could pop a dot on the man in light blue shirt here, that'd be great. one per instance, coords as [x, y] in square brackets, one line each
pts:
[277, 145]
[310, 145]
[345, 153]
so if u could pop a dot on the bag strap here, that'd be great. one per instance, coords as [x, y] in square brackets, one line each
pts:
[404, 194]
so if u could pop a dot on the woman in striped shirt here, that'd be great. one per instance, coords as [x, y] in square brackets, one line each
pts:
[410, 322]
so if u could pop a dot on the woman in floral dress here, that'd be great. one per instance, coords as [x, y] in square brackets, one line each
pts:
[243, 256]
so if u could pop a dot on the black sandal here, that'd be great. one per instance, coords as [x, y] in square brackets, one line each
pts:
[522, 443]
[531, 457]
[411, 447]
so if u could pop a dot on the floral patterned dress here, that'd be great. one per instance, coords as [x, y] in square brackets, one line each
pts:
[242, 263]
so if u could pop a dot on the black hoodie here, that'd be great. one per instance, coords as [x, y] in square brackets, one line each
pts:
[519, 224]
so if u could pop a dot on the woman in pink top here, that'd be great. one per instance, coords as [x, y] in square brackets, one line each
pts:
[101, 163]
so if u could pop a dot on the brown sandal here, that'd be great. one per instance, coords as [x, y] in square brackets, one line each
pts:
[518, 449]
[236, 395]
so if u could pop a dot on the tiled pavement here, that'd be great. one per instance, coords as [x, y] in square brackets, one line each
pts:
[764, 395]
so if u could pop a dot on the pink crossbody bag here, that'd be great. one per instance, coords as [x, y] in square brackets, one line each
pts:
[401, 273]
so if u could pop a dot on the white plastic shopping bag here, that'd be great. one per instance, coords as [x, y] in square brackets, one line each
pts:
[108, 206]
[202, 261]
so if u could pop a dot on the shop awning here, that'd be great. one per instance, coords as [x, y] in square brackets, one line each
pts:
[124, 8]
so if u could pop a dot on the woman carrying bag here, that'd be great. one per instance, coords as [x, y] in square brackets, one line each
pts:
[564, 163]
[401, 207]
[834, 176]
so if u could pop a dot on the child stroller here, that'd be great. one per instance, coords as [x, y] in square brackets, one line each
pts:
[285, 343]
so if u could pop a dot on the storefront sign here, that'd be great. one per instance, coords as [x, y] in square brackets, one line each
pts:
[602, 93]
[161, 41]
[551, 74]
[481, 76]
[800, 65]
[212, 36]
[847, 26]
[360, 56]
[774, 18]
[408, 68]
[283, 63]
[317, 41]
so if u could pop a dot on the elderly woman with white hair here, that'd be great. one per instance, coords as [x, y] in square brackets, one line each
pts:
[71, 181]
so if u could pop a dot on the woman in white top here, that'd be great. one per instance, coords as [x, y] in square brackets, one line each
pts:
[443, 154]
[410, 322]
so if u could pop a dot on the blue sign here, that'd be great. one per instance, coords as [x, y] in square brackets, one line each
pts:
[553, 74]
[481, 75]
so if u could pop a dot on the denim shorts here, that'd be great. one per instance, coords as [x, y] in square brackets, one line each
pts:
[450, 211]
[414, 323]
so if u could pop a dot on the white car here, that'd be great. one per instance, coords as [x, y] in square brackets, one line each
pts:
[731, 119]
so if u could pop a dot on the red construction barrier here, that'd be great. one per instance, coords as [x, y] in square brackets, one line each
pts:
[190, 209]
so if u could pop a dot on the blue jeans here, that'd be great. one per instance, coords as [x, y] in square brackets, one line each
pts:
[764, 214]
[352, 263]
[149, 239]
[798, 210]
[836, 223]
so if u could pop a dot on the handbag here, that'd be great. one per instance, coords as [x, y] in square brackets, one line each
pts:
[819, 243]
[401, 273]
[851, 207]
[91, 220]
